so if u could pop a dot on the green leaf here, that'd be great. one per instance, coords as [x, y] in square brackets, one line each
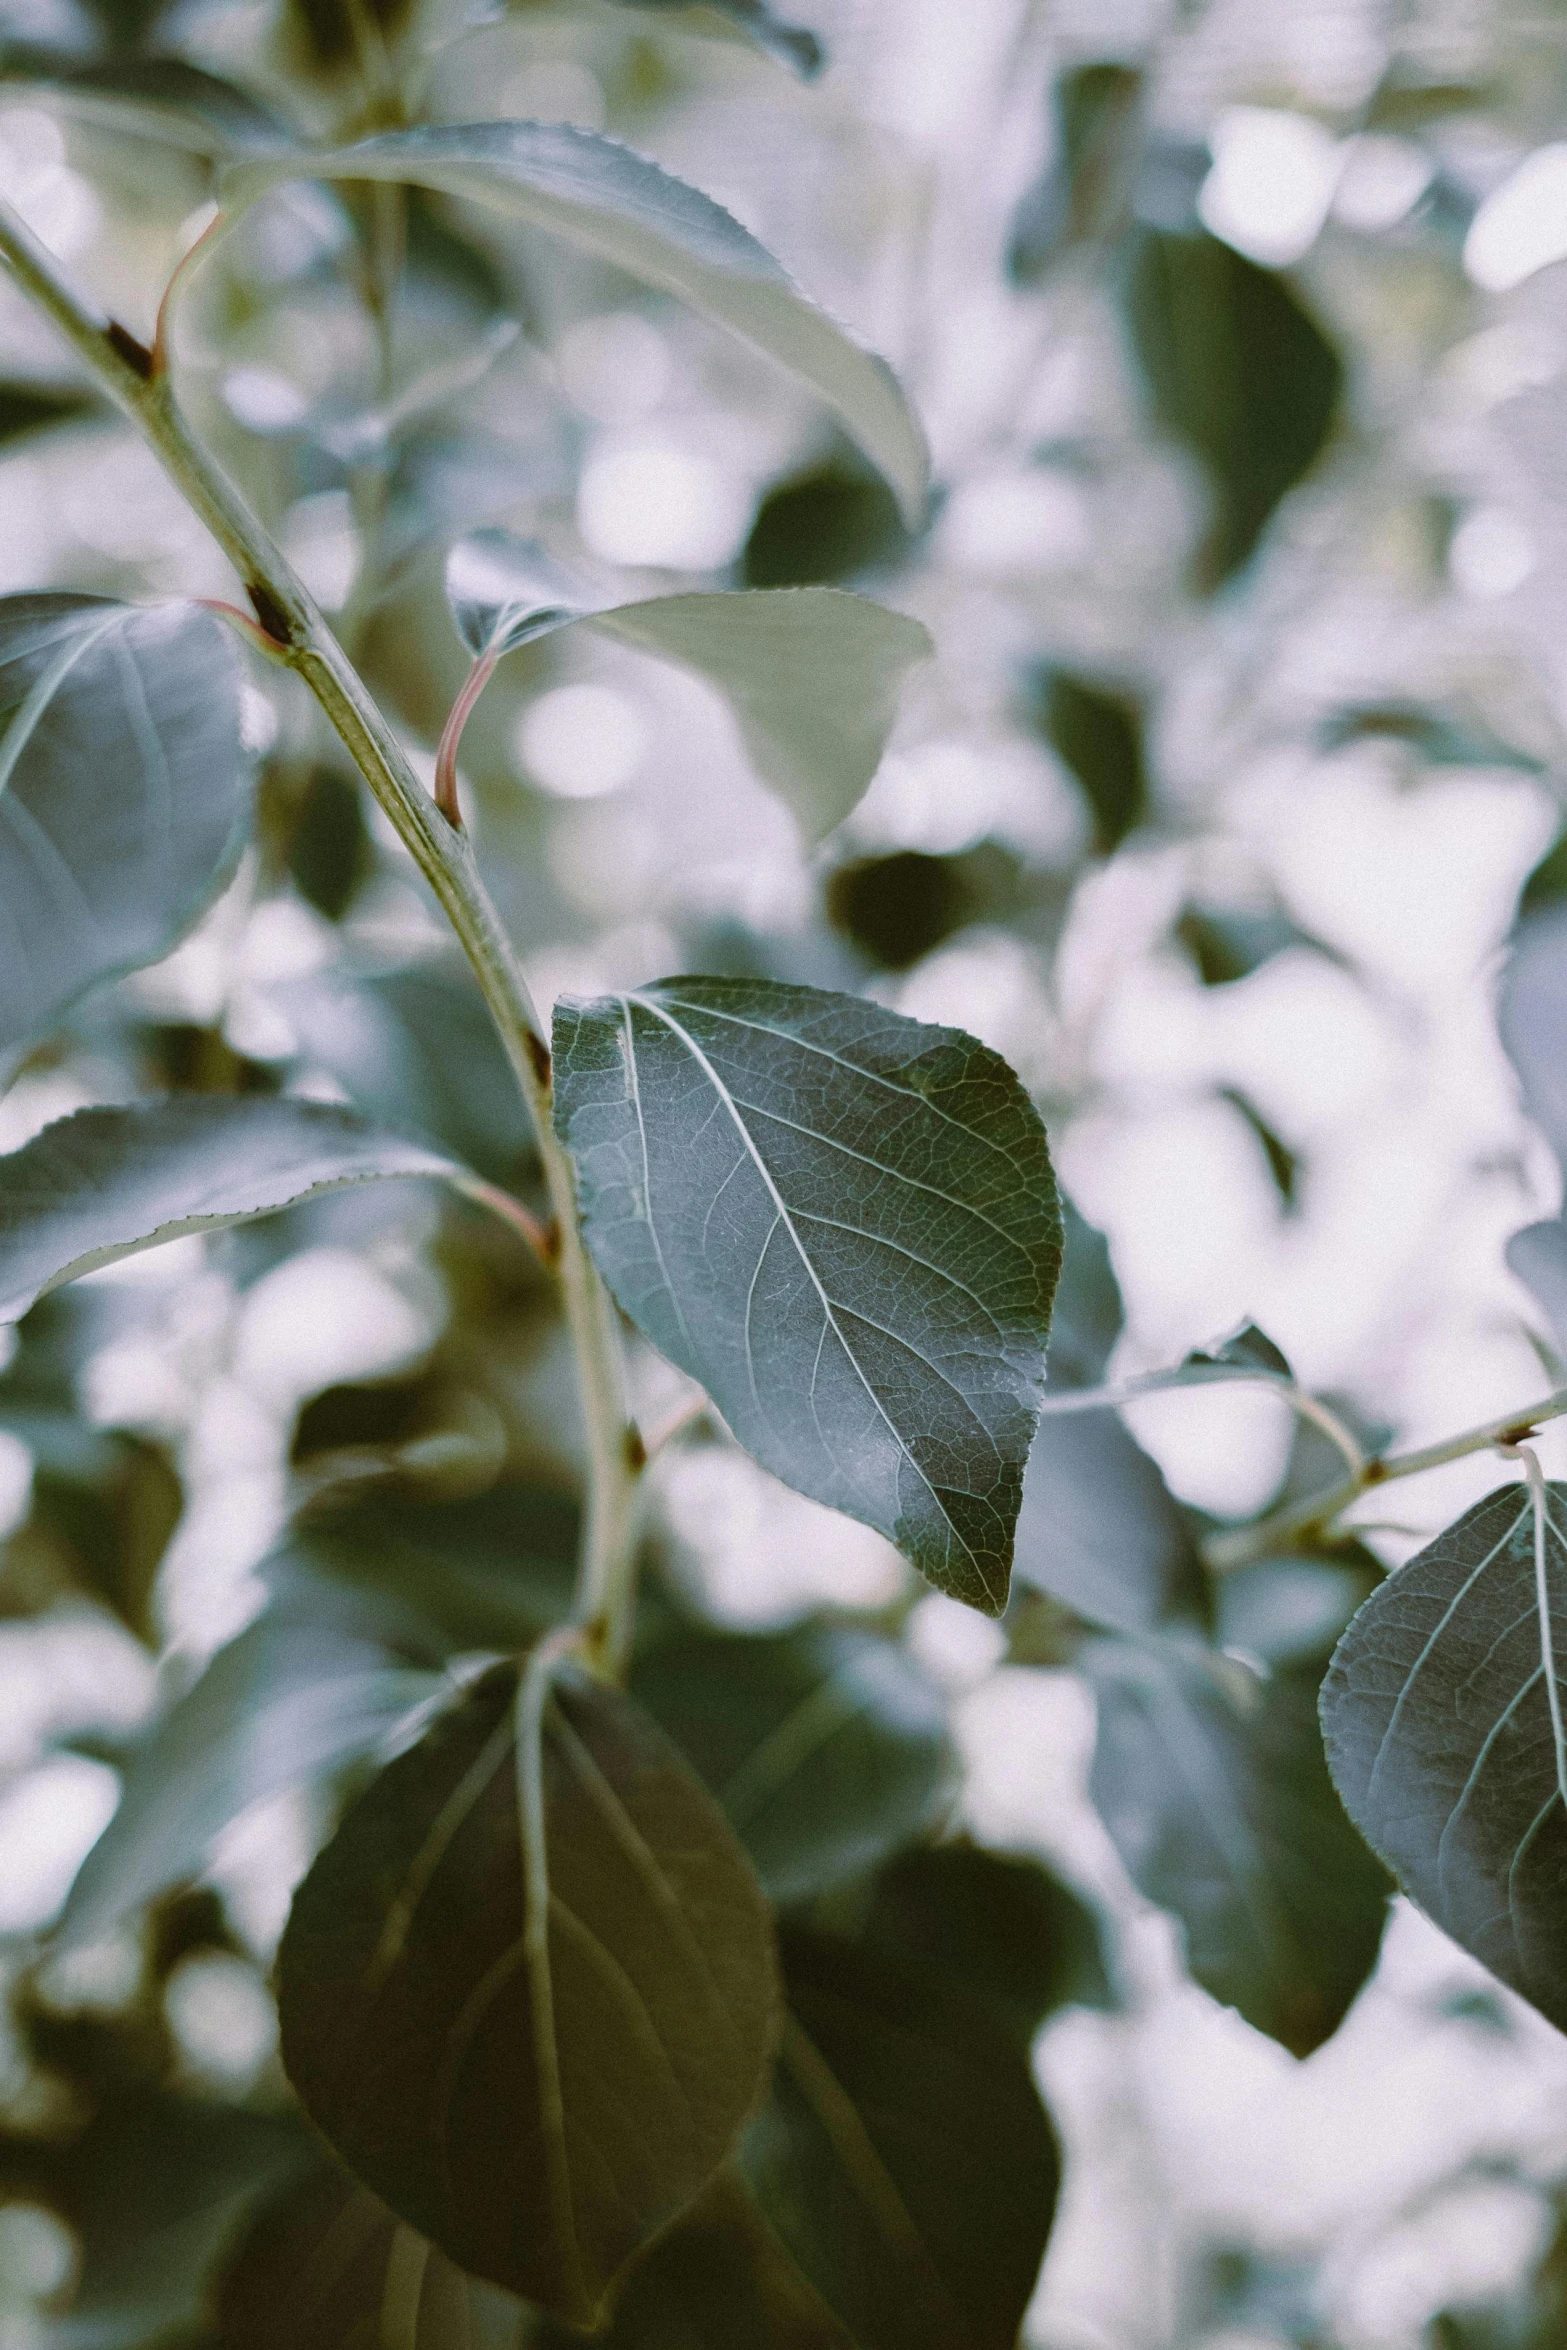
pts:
[844, 1224]
[1087, 182]
[1101, 1531]
[1001, 1928]
[1538, 1255]
[1246, 1349]
[528, 1991]
[823, 525]
[1088, 1311]
[1452, 737]
[1532, 1017]
[416, 1049]
[796, 47]
[1227, 943]
[1098, 736]
[447, 1578]
[1442, 1714]
[905, 2159]
[284, 1703]
[331, 852]
[94, 882]
[1237, 371]
[104, 1184]
[825, 1746]
[1213, 1786]
[161, 98]
[811, 674]
[614, 203]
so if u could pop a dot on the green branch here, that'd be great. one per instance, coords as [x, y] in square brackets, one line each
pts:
[300, 636]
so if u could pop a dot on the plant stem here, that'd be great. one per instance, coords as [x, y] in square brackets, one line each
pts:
[1120, 1391]
[302, 638]
[1239, 1546]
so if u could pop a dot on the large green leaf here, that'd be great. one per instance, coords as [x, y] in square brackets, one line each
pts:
[125, 783]
[1443, 1718]
[825, 1746]
[285, 1702]
[1237, 370]
[1213, 1785]
[844, 1224]
[811, 674]
[528, 1991]
[104, 1184]
[614, 203]
[1000, 1926]
[905, 2159]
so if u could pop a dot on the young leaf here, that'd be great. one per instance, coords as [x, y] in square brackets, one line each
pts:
[791, 43]
[905, 2159]
[844, 1224]
[104, 1184]
[616, 204]
[1214, 1788]
[811, 674]
[95, 881]
[1443, 1719]
[286, 1701]
[528, 1991]
[825, 1746]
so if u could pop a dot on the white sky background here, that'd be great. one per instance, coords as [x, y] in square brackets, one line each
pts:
[1182, 2126]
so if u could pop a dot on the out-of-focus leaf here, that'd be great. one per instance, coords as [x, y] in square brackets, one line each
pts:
[844, 1224]
[616, 204]
[284, 1703]
[1098, 736]
[905, 2159]
[330, 851]
[1532, 1017]
[30, 407]
[332, 28]
[1547, 884]
[1100, 1530]
[1000, 1928]
[1227, 945]
[92, 882]
[1086, 184]
[155, 2187]
[162, 98]
[104, 1184]
[1442, 738]
[1213, 1786]
[792, 43]
[823, 526]
[811, 674]
[1278, 1610]
[898, 908]
[1283, 1164]
[492, 1571]
[1443, 1723]
[1237, 371]
[825, 1746]
[528, 1991]
[1088, 1312]
[415, 1047]
[1538, 1255]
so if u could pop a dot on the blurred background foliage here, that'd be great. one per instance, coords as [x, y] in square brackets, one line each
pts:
[1244, 364]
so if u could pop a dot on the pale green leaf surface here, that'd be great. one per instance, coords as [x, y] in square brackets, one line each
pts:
[610, 201]
[286, 1701]
[842, 1223]
[104, 1184]
[812, 674]
[125, 783]
[1443, 1718]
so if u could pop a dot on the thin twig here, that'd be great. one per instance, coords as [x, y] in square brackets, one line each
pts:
[1117, 1392]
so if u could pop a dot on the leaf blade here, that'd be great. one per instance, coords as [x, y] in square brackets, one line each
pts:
[92, 885]
[913, 1319]
[104, 1184]
[617, 204]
